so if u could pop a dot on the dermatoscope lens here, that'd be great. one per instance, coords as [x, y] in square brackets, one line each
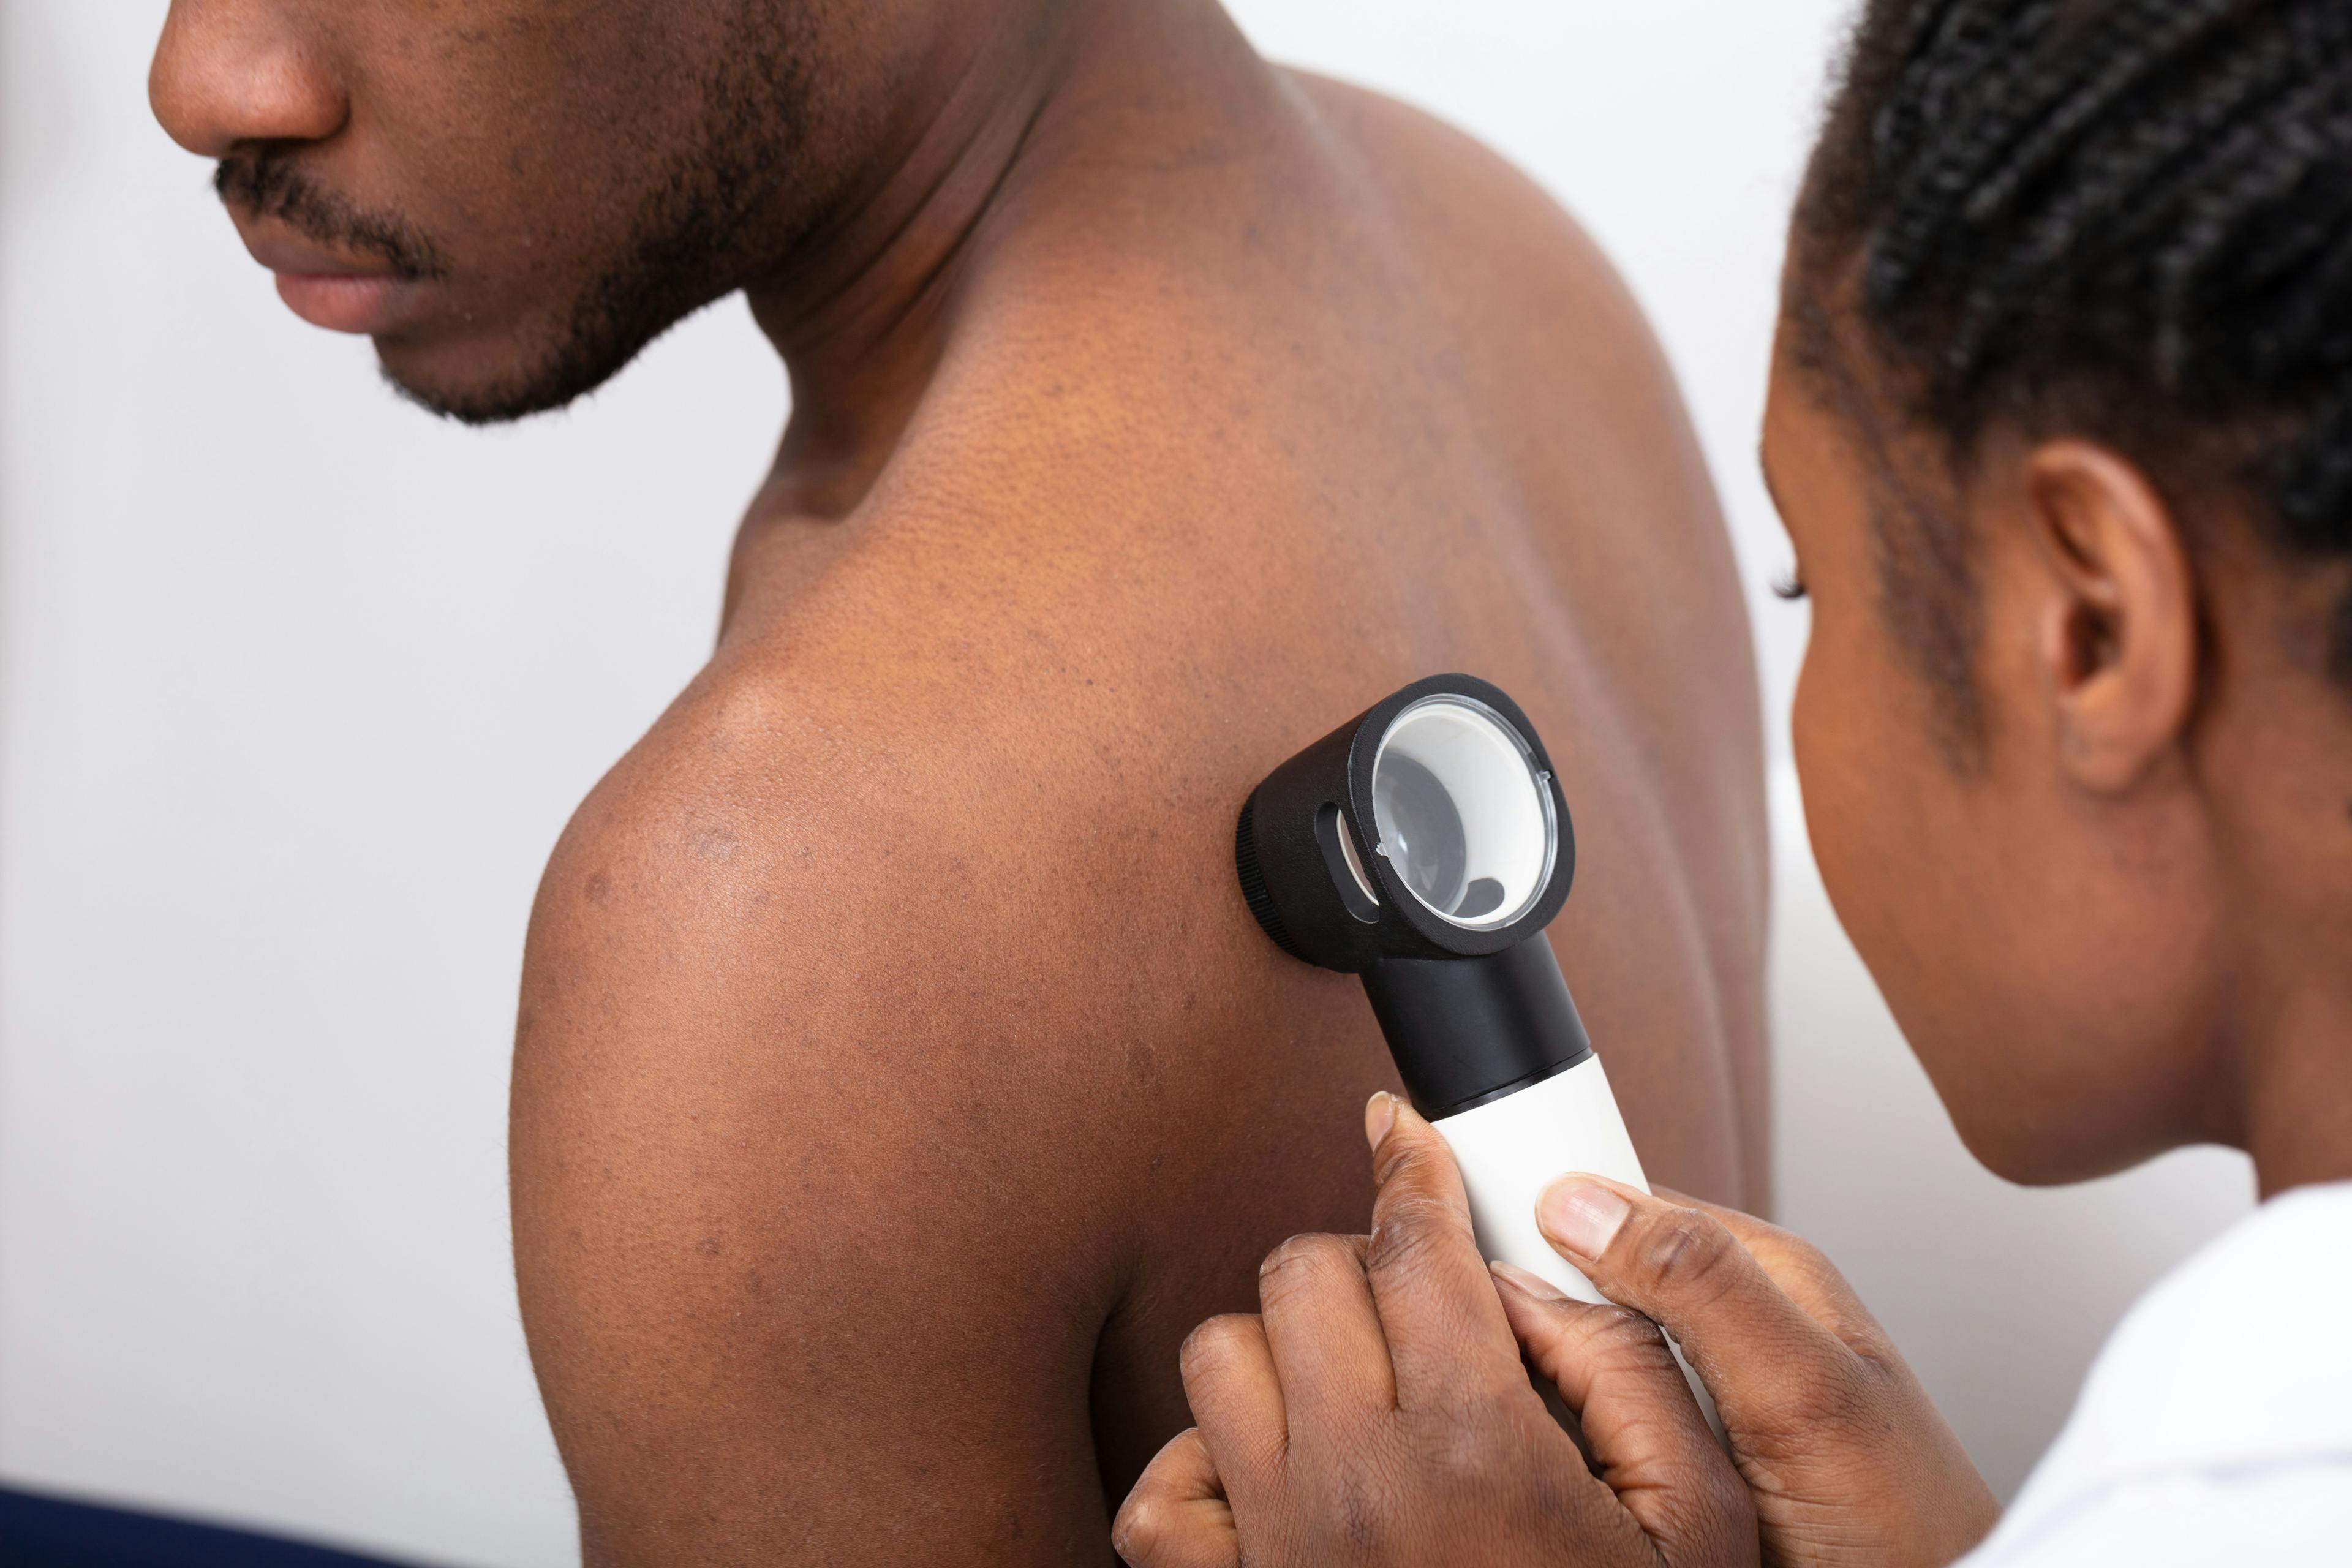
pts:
[1462, 815]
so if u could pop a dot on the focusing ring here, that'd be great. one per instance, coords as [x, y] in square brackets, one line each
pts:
[1253, 876]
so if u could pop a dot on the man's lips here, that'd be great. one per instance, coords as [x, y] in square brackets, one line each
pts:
[341, 293]
[344, 301]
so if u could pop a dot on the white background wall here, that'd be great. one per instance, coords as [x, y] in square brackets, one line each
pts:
[296, 687]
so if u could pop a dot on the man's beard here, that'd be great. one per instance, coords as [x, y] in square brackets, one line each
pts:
[689, 244]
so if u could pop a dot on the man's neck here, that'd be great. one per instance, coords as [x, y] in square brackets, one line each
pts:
[863, 309]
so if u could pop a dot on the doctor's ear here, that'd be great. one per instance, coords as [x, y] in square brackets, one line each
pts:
[2117, 632]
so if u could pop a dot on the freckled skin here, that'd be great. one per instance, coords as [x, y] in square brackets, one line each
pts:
[899, 1074]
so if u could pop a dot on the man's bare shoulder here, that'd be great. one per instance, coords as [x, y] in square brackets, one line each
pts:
[941, 865]
[815, 1033]
[841, 842]
[1459, 197]
[1537, 330]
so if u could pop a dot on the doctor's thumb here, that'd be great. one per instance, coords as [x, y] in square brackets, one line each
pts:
[1682, 1268]
[1864, 1467]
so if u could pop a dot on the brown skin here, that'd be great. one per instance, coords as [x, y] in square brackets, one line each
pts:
[2111, 923]
[901, 1076]
[2116, 925]
[1376, 1412]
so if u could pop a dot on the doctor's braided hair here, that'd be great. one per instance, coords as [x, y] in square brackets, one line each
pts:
[2129, 220]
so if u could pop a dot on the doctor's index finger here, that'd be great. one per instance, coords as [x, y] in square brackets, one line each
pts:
[1448, 1338]
[1324, 1331]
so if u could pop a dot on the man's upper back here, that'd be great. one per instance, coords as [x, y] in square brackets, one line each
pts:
[900, 1074]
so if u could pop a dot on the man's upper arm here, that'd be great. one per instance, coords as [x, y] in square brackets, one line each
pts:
[794, 1289]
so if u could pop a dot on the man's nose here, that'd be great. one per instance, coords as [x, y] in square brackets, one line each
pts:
[237, 71]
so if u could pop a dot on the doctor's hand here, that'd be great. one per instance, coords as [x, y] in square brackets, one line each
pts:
[1376, 1412]
[1846, 1458]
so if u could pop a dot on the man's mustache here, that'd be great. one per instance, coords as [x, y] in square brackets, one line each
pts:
[267, 184]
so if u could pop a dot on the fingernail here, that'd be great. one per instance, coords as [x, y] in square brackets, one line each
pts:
[1534, 1285]
[1379, 1115]
[1580, 1215]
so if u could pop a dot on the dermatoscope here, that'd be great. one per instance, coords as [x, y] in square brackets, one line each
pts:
[1424, 846]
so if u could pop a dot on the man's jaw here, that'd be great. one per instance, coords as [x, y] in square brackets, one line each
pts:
[350, 270]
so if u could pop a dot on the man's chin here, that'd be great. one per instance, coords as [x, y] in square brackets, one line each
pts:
[474, 387]
[465, 405]
[496, 375]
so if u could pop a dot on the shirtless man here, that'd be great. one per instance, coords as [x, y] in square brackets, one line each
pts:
[889, 1014]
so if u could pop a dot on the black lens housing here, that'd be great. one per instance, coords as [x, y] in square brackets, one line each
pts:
[1295, 873]
[1470, 1014]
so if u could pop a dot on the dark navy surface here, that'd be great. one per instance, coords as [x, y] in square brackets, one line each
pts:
[50, 1532]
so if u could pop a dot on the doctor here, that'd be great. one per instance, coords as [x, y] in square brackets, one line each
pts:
[2061, 428]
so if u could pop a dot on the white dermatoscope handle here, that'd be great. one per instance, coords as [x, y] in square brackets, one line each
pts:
[1511, 1149]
